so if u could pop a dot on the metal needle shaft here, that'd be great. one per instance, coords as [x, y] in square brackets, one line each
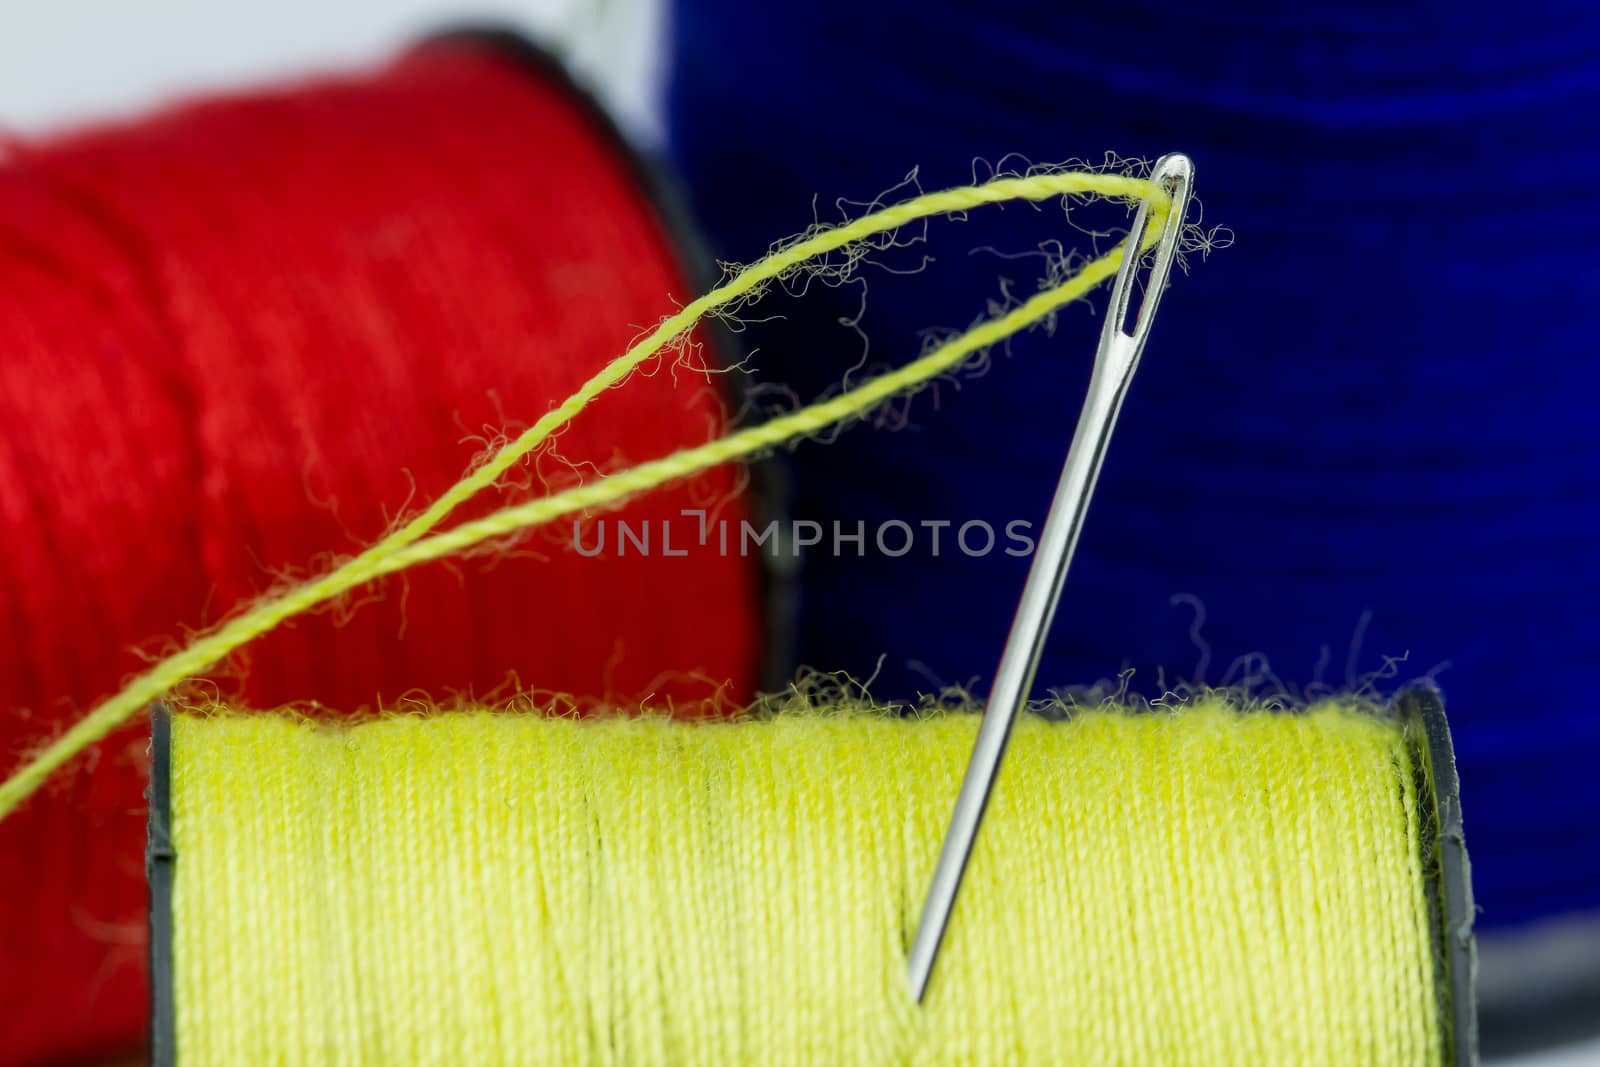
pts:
[1115, 362]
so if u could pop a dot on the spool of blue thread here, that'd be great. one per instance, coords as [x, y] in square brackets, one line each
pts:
[1380, 400]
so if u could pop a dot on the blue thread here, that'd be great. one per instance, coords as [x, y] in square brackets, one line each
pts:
[1300, 448]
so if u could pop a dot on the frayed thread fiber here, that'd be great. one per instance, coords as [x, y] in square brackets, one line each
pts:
[1193, 886]
[415, 542]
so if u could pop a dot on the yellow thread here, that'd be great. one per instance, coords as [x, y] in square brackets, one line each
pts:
[405, 546]
[1194, 887]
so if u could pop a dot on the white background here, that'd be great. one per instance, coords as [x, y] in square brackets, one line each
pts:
[64, 61]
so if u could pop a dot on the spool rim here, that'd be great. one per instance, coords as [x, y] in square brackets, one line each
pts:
[1446, 869]
[770, 491]
[159, 860]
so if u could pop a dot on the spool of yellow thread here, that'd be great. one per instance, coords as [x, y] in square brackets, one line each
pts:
[1201, 885]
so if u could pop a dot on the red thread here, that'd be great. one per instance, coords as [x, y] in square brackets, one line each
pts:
[232, 337]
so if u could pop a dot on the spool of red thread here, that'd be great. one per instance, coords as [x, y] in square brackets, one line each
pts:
[242, 336]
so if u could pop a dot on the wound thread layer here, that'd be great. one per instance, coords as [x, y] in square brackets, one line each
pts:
[1198, 886]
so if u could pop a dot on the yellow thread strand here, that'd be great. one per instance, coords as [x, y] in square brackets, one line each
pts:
[404, 547]
[1195, 887]
[744, 443]
[747, 282]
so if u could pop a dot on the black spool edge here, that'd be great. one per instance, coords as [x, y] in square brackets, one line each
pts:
[1420, 708]
[769, 491]
[160, 861]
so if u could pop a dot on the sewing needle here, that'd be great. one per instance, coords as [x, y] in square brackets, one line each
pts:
[1115, 361]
